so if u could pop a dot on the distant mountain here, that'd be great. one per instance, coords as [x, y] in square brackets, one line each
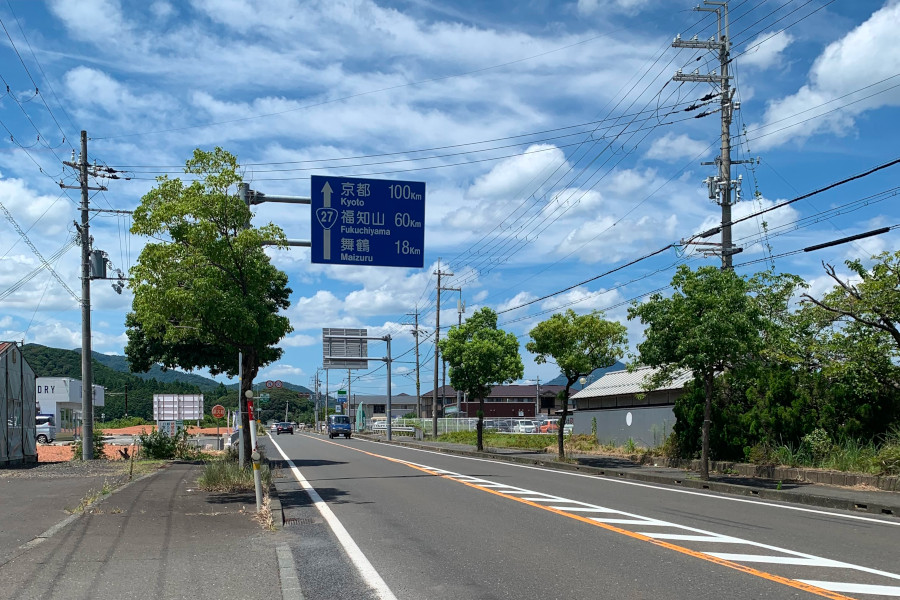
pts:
[597, 374]
[119, 363]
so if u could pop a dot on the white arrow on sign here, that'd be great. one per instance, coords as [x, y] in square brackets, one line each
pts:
[326, 235]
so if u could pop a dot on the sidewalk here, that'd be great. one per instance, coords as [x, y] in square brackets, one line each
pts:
[157, 537]
[857, 499]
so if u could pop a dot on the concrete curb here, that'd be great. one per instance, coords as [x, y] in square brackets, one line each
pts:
[687, 480]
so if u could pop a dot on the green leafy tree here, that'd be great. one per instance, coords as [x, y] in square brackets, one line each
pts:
[204, 290]
[577, 344]
[710, 323]
[873, 302]
[481, 356]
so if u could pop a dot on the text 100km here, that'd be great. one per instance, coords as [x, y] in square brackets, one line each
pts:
[403, 192]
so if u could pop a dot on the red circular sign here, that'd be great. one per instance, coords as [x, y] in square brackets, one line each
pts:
[278, 384]
[218, 411]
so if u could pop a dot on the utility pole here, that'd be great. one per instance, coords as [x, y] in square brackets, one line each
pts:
[460, 309]
[87, 387]
[537, 397]
[720, 185]
[415, 333]
[437, 338]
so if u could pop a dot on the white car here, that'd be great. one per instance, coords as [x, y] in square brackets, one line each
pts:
[524, 427]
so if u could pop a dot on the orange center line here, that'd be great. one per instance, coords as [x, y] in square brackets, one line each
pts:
[637, 536]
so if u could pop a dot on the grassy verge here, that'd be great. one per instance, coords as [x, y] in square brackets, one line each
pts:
[528, 441]
[872, 457]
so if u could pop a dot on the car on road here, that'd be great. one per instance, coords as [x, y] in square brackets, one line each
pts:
[524, 426]
[339, 425]
[284, 428]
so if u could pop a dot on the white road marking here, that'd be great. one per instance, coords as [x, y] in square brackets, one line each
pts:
[778, 560]
[659, 487]
[625, 518]
[362, 564]
[855, 588]
[681, 537]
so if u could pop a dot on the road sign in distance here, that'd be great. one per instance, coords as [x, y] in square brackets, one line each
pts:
[342, 353]
[218, 411]
[374, 222]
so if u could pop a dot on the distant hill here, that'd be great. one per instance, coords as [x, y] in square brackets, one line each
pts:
[71, 364]
[597, 374]
[119, 363]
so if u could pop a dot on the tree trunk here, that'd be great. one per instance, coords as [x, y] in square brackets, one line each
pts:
[707, 415]
[561, 424]
[479, 427]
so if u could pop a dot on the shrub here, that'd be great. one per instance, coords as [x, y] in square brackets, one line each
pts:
[817, 444]
[159, 445]
[99, 445]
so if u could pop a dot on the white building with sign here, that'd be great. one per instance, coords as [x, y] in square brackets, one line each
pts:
[61, 397]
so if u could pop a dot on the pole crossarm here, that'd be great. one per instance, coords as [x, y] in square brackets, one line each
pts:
[696, 77]
[705, 45]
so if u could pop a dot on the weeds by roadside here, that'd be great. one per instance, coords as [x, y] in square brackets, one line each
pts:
[91, 497]
[817, 450]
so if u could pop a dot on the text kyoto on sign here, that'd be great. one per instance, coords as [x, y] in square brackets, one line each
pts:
[374, 222]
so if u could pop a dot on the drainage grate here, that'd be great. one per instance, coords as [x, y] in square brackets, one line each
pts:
[298, 521]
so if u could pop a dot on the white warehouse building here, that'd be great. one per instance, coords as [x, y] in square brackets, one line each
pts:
[61, 397]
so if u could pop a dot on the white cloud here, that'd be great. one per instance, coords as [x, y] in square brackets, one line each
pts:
[671, 148]
[631, 7]
[769, 51]
[298, 340]
[857, 60]
[92, 86]
[281, 370]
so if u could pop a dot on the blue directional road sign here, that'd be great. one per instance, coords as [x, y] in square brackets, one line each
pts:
[374, 222]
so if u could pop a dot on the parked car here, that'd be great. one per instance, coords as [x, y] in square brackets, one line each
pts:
[524, 426]
[338, 425]
[284, 428]
[45, 428]
[550, 426]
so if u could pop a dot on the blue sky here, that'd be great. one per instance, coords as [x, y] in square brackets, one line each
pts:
[551, 138]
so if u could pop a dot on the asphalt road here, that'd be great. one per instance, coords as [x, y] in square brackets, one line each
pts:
[439, 526]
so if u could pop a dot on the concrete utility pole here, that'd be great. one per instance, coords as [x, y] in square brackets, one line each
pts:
[415, 333]
[437, 338]
[460, 309]
[721, 185]
[87, 375]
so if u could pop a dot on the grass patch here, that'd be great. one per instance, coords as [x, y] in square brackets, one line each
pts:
[526, 441]
[226, 475]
